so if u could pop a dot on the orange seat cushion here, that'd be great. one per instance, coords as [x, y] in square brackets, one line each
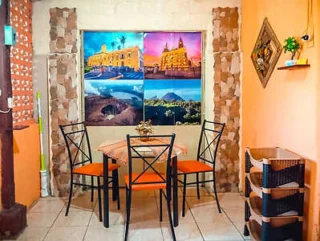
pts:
[94, 169]
[193, 166]
[146, 177]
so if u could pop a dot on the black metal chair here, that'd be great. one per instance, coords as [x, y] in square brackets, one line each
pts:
[149, 178]
[77, 142]
[211, 133]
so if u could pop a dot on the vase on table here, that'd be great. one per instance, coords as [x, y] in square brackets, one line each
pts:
[144, 136]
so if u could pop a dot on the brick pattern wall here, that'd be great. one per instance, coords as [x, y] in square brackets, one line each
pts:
[227, 62]
[21, 61]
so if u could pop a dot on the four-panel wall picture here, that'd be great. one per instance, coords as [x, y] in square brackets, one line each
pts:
[135, 76]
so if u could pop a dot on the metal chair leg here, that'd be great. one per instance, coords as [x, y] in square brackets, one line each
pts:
[99, 200]
[70, 195]
[161, 205]
[128, 210]
[198, 188]
[184, 195]
[92, 189]
[170, 218]
[215, 192]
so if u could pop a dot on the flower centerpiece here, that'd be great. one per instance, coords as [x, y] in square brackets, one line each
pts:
[144, 129]
[292, 45]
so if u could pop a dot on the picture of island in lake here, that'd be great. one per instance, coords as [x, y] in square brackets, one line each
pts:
[113, 102]
[173, 102]
[172, 55]
[113, 55]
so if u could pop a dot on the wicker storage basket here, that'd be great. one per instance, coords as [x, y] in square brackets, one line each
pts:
[255, 181]
[275, 230]
[286, 203]
[280, 166]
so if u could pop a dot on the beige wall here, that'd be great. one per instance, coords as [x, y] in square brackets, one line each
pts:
[130, 15]
[287, 112]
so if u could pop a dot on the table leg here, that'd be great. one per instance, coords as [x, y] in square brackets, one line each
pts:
[175, 192]
[105, 191]
[114, 180]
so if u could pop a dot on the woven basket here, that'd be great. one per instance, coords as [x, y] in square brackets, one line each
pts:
[284, 206]
[277, 157]
[278, 230]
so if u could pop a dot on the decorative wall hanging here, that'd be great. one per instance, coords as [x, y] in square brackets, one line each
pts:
[266, 52]
[134, 76]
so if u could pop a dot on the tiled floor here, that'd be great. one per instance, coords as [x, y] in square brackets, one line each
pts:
[47, 221]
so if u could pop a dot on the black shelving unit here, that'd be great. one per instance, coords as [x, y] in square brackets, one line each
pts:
[274, 190]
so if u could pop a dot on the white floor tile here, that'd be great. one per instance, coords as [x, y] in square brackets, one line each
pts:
[44, 206]
[33, 234]
[82, 202]
[188, 218]
[240, 228]
[41, 219]
[114, 233]
[145, 231]
[115, 218]
[235, 214]
[47, 220]
[231, 200]
[221, 229]
[81, 218]
[184, 232]
[66, 234]
[204, 210]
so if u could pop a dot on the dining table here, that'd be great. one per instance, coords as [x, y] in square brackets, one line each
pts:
[117, 152]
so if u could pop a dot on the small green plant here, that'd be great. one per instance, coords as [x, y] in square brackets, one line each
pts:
[291, 45]
[144, 128]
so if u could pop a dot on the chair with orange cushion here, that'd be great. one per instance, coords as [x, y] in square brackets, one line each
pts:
[80, 159]
[211, 133]
[149, 178]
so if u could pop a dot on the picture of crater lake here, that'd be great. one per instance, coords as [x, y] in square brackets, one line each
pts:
[173, 102]
[113, 102]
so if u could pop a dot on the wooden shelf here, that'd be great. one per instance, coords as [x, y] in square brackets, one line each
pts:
[15, 128]
[296, 66]
[19, 127]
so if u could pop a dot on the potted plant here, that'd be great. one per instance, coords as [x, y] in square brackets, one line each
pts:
[292, 45]
[144, 129]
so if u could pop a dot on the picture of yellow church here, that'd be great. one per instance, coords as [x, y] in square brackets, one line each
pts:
[113, 55]
[175, 58]
[170, 55]
[129, 57]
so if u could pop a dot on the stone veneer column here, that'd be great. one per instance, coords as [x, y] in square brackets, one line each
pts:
[227, 95]
[63, 96]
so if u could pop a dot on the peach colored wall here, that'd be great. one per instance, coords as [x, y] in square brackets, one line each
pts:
[286, 113]
[26, 148]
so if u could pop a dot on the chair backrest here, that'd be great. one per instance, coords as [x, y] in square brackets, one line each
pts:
[77, 143]
[160, 149]
[210, 136]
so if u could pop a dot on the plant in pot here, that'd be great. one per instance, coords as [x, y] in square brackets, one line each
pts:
[292, 45]
[144, 129]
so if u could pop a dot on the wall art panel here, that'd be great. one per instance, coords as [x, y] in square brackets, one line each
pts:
[135, 76]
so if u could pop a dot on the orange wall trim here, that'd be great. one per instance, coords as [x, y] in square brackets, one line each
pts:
[26, 147]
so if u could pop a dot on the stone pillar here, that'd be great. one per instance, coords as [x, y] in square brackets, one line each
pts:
[63, 96]
[227, 95]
